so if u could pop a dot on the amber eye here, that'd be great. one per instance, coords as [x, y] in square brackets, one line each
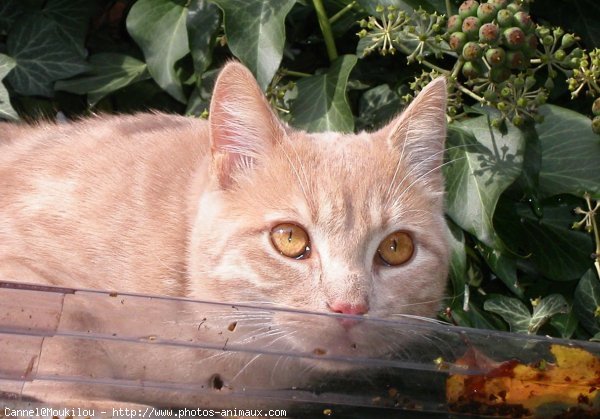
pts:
[396, 249]
[290, 240]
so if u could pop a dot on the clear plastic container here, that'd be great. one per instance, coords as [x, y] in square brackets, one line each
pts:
[99, 350]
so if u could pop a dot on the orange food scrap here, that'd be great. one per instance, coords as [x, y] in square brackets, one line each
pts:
[517, 389]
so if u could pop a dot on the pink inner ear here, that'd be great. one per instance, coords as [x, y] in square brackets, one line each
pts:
[419, 133]
[242, 125]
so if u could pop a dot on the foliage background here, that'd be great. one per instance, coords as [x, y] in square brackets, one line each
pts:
[517, 263]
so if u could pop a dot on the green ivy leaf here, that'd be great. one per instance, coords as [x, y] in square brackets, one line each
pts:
[203, 20]
[321, 104]
[377, 106]
[482, 164]
[10, 10]
[570, 153]
[587, 302]
[109, 73]
[73, 17]
[43, 55]
[512, 310]
[256, 33]
[546, 308]
[6, 109]
[159, 28]
[565, 324]
[458, 258]
[558, 252]
[504, 266]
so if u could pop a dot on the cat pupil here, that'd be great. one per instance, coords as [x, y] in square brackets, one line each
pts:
[394, 245]
[290, 237]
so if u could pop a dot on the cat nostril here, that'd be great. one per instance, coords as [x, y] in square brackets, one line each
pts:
[348, 308]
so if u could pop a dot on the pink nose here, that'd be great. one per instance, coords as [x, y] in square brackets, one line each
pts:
[347, 308]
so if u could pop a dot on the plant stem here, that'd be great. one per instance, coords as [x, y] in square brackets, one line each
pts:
[468, 92]
[596, 236]
[325, 29]
[295, 73]
[435, 67]
[448, 8]
[341, 13]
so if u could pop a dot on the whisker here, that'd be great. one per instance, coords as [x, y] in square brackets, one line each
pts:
[245, 366]
[405, 191]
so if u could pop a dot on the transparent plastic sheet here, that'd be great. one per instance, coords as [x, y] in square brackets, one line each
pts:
[77, 348]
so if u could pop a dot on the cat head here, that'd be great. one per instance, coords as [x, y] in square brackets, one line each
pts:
[327, 222]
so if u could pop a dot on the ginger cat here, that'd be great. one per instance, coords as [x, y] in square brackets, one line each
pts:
[241, 208]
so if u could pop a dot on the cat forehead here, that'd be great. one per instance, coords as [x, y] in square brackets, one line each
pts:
[346, 178]
[339, 151]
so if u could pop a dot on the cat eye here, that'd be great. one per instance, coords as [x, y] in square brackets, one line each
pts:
[290, 240]
[396, 249]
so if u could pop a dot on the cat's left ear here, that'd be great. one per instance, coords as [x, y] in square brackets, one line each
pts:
[242, 125]
[419, 133]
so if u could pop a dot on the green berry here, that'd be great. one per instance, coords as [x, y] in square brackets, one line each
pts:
[531, 44]
[567, 41]
[471, 27]
[471, 69]
[495, 56]
[457, 41]
[542, 31]
[541, 98]
[530, 81]
[516, 60]
[471, 51]
[505, 91]
[522, 102]
[489, 33]
[549, 84]
[514, 38]
[490, 96]
[504, 18]
[499, 74]
[547, 40]
[596, 107]
[519, 82]
[468, 8]
[577, 52]
[500, 4]
[514, 7]
[454, 23]
[596, 125]
[558, 32]
[502, 106]
[517, 120]
[523, 21]
[560, 55]
[486, 12]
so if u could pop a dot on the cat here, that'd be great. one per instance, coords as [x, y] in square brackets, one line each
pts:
[241, 208]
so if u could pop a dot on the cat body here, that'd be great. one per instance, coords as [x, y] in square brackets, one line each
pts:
[100, 204]
[176, 206]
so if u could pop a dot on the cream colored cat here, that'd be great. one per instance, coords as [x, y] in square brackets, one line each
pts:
[240, 209]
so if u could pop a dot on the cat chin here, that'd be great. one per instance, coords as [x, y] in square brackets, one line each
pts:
[334, 344]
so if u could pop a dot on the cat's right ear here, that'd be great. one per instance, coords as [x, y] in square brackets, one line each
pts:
[242, 125]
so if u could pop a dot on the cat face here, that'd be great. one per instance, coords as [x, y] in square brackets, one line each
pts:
[330, 222]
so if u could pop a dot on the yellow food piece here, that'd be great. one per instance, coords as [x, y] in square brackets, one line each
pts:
[573, 379]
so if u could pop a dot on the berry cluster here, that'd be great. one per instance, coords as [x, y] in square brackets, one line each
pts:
[492, 38]
[586, 74]
[502, 58]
